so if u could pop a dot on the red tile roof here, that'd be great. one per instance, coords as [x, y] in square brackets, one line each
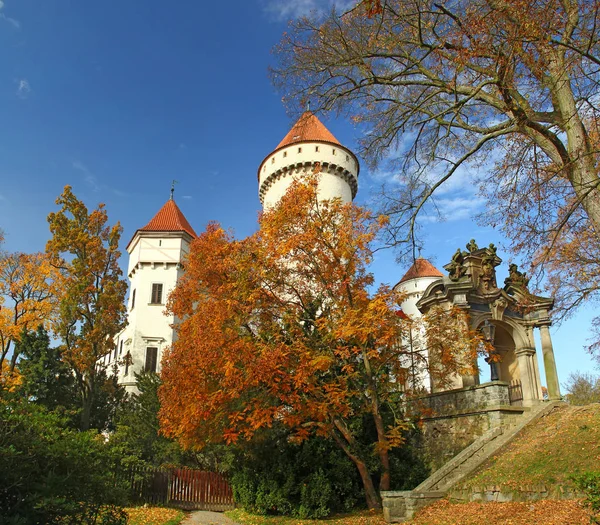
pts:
[421, 268]
[169, 219]
[306, 129]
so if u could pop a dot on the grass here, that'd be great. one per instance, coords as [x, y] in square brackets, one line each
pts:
[548, 452]
[546, 512]
[356, 518]
[153, 516]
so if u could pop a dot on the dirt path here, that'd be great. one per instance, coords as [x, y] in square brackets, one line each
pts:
[205, 517]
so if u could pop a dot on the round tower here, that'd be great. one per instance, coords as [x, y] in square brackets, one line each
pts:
[415, 281]
[309, 147]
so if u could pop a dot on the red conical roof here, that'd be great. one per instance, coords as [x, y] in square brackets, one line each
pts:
[421, 268]
[169, 219]
[308, 128]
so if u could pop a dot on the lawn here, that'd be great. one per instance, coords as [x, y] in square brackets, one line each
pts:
[153, 516]
[356, 518]
[548, 452]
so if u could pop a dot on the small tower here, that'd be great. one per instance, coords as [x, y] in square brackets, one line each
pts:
[413, 284]
[308, 147]
[156, 253]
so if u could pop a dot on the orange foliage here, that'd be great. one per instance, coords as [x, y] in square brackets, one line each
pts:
[282, 327]
[546, 512]
[27, 297]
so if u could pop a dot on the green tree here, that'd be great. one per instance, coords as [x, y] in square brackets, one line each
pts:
[52, 474]
[137, 437]
[46, 378]
[582, 388]
[92, 300]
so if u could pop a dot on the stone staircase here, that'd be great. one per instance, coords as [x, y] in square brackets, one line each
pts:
[399, 506]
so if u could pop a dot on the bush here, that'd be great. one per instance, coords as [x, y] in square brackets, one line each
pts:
[589, 484]
[52, 474]
[270, 475]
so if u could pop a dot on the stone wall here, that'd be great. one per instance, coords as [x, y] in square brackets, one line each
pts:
[500, 493]
[454, 419]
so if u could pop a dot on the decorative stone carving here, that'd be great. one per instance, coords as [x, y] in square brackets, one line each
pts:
[488, 274]
[497, 308]
[456, 268]
[516, 278]
[472, 246]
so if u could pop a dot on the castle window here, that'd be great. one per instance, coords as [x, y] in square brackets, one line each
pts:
[128, 363]
[347, 157]
[333, 151]
[273, 160]
[299, 150]
[157, 290]
[116, 348]
[316, 148]
[121, 348]
[133, 299]
[151, 359]
[160, 242]
[284, 154]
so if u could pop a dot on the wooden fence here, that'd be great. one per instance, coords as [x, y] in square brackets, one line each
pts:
[179, 487]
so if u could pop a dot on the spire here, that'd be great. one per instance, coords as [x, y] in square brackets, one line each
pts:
[173, 182]
[308, 128]
[169, 219]
[421, 268]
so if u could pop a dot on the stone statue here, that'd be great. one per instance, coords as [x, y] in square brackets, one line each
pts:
[456, 268]
[516, 278]
[488, 275]
[492, 248]
[472, 246]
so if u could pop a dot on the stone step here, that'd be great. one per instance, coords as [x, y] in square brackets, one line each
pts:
[399, 506]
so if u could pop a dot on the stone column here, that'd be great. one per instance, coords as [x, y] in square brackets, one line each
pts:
[527, 374]
[549, 363]
[536, 368]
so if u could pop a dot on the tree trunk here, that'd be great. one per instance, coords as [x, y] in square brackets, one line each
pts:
[371, 495]
[87, 400]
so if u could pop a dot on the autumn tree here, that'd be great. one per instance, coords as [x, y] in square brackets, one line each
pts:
[84, 249]
[510, 86]
[283, 327]
[27, 298]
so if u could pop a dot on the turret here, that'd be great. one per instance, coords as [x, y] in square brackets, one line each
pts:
[309, 147]
[414, 282]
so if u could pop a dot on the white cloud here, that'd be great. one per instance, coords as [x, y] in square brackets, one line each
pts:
[15, 23]
[288, 9]
[187, 197]
[88, 176]
[23, 88]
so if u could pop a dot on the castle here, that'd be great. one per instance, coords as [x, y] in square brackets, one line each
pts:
[508, 315]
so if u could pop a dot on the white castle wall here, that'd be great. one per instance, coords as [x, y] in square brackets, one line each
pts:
[155, 257]
[338, 175]
[416, 342]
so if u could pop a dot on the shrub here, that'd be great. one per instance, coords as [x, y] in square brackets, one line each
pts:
[52, 474]
[589, 484]
[271, 475]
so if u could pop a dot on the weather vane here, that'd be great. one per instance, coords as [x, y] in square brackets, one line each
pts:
[173, 182]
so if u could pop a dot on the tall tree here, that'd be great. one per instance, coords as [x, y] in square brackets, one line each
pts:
[281, 327]
[46, 378]
[85, 250]
[27, 298]
[512, 84]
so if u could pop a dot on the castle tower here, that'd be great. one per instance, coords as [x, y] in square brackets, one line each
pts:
[413, 284]
[415, 281]
[308, 147]
[156, 253]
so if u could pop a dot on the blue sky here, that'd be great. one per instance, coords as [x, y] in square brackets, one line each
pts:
[119, 98]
